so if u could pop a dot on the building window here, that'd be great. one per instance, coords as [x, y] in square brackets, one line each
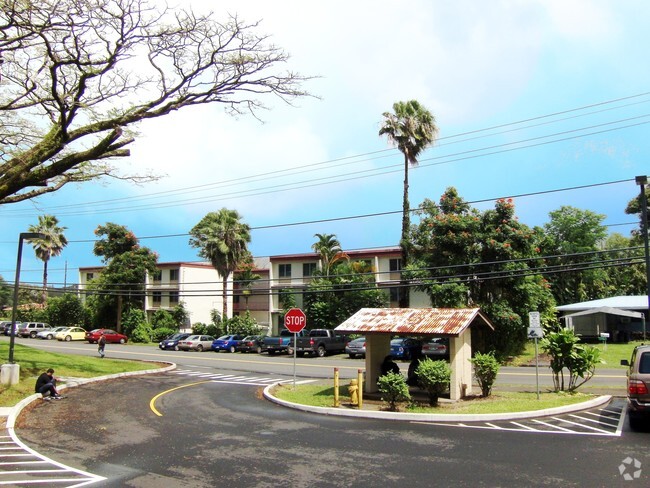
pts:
[395, 294]
[173, 275]
[89, 276]
[157, 297]
[173, 298]
[308, 269]
[284, 270]
[157, 275]
[395, 267]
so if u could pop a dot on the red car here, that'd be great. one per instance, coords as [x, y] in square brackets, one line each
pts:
[111, 336]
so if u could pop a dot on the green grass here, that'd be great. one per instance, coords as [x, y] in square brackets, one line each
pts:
[611, 354]
[34, 361]
[498, 402]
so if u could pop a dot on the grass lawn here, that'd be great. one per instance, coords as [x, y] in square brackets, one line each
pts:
[610, 354]
[498, 402]
[34, 361]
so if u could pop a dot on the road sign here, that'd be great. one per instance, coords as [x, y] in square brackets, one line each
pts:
[534, 320]
[295, 320]
[535, 332]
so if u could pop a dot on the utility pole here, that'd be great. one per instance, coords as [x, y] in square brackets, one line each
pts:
[642, 181]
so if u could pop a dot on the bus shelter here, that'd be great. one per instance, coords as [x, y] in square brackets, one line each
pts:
[462, 326]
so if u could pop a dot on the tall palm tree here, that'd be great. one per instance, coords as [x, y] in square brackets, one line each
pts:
[329, 249]
[222, 238]
[412, 128]
[48, 246]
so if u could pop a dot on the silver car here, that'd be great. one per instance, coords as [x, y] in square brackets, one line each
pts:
[196, 343]
[49, 334]
[638, 386]
[356, 347]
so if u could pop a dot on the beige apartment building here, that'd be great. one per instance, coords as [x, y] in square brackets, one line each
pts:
[198, 285]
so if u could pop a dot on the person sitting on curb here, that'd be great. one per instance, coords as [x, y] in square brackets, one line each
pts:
[46, 384]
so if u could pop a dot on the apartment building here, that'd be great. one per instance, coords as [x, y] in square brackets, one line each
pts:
[198, 285]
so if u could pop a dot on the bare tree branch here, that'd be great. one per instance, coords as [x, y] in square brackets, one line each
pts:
[77, 73]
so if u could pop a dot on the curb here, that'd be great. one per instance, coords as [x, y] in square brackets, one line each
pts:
[14, 411]
[433, 417]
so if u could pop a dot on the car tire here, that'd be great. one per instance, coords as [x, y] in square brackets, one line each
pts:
[199, 348]
[232, 349]
[321, 351]
[50, 337]
[122, 341]
[259, 350]
[176, 348]
[32, 335]
[68, 338]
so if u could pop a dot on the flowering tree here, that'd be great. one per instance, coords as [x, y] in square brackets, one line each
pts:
[485, 259]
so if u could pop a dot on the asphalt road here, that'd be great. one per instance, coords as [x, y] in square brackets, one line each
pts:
[203, 433]
[606, 381]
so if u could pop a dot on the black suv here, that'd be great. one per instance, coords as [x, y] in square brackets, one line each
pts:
[638, 385]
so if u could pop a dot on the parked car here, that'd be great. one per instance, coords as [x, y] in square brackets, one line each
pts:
[227, 343]
[71, 334]
[252, 343]
[110, 335]
[196, 343]
[5, 327]
[405, 347]
[30, 329]
[172, 341]
[638, 386]
[436, 348]
[49, 334]
[356, 347]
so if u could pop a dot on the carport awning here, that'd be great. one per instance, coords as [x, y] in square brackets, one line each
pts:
[414, 321]
[608, 310]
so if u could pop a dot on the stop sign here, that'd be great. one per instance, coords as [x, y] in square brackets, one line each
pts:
[295, 320]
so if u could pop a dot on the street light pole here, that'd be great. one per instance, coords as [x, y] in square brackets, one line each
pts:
[12, 338]
[642, 181]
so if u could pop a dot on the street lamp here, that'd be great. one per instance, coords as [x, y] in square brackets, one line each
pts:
[642, 181]
[11, 372]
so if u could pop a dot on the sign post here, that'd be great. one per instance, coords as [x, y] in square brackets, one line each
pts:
[294, 321]
[535, 331]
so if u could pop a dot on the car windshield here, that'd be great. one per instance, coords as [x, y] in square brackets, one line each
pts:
[224, 338]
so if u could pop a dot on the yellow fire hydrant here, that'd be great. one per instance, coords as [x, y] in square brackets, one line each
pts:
[353, 390]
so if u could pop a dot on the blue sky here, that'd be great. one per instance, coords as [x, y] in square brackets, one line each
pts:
[479, 69]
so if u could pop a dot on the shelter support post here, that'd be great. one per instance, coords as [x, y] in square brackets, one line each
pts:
[460, 352]
[377, 348]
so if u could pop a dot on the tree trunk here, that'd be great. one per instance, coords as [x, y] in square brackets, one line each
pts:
[119, 314]
[404, 294]
[44, 281]
[224, 289]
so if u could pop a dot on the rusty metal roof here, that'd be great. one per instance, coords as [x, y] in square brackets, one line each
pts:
[414, 321]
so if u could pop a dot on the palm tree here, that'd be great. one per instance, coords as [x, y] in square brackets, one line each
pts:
[412, 128]
[51, 243]
[222, 239]
[330, 251]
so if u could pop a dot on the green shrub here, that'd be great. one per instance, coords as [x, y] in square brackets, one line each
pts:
[567, 355]
[434, 377]
[393, 389]
[486, 368]
[162, 333]
[142, 333]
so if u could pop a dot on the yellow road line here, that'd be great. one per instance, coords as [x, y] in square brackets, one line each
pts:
[152, 403]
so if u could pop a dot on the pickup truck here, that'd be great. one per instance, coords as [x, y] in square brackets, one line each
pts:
[319, 342]
[280, 344]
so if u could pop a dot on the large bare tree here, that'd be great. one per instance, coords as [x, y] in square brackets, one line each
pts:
[78, 75]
